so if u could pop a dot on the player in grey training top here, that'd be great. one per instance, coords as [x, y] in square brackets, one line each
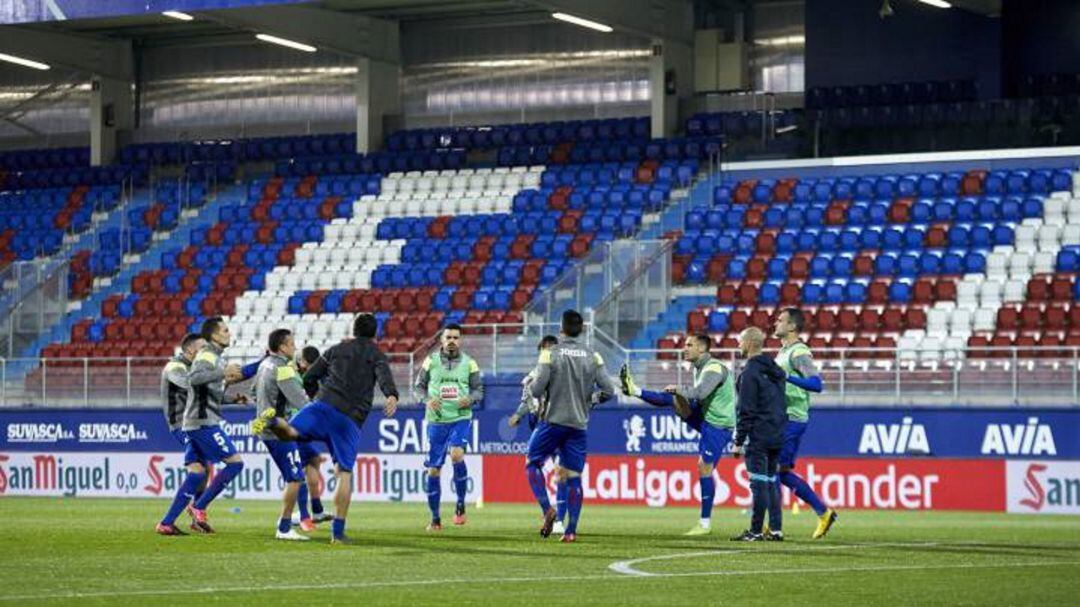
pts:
[208, 377]
[279, 387]
[567, 373]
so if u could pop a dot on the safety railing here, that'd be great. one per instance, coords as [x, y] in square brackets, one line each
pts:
[592, 278]
[1008, 376]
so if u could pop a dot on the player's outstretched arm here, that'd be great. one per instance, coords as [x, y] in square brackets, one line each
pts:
[806, 375]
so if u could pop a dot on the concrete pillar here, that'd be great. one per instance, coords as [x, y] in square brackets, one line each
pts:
[671, 78]
[378, 96]
[112, 110]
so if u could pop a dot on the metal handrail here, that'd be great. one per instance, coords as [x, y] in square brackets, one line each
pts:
[996, 376]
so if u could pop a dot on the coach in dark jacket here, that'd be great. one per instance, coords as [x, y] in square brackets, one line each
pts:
[759, 432]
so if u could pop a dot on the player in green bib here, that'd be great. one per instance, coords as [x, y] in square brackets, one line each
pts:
[712, 400]
[451, 381]
[803, 378]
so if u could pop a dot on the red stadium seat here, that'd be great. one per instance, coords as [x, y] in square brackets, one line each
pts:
[727, 295]
[1061, 289]
[847, 320]
[1038, 289]
[945, 290]
[915, 318]
[1008, 318]
[923, 291]
[869, 320]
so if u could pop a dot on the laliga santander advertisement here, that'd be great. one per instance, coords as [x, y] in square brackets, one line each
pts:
[902, 484]
[376, 477]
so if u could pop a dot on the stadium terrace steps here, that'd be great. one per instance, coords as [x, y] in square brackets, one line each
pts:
[928, 261]
[91, 308]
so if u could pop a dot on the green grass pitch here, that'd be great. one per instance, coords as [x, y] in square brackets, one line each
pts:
[104, 552]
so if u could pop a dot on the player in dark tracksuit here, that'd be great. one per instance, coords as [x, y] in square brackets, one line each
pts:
[759, 432]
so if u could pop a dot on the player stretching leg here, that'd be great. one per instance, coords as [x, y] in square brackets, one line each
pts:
[802, 379]
[207, 379]
[451, 381]
[566, 374]
[714, 395]
[278, 389]
[528, 408]
[349, 372]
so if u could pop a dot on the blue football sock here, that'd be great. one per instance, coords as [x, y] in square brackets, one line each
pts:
[283, 525]
[219, 483]
[803, 491]
[539, 489]
[658, 399]
[461, 481]
[184, 495]
[708, 493]
[574, 498]
[338, 527]
[316, 505]
[301, 501]
[560, 500]
[434, 495]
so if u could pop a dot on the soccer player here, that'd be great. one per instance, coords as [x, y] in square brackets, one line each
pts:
[566, 374]
[713, 393]
[208, 378]
[529, 408]
[309, 454]
[174, 391]
[761, 419]
[802, 379]
[451, 381]
[278, 388]
[348, 373]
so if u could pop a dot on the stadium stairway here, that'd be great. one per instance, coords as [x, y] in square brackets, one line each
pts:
[121, 283]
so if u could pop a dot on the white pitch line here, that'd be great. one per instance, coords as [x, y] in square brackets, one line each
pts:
[481, 581]
[627, 567]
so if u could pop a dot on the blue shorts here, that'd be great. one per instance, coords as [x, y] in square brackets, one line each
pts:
[793, 432]
[309, 451]
[443, 437]
[714, 442]
[210, 444]
[190, 457]
[549, 439]
[287, 458]
[323, 422]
